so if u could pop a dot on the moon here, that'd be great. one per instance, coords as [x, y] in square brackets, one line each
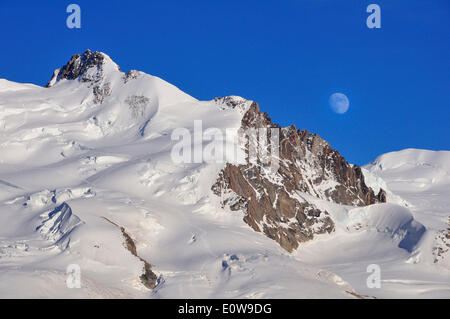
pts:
[339, 103]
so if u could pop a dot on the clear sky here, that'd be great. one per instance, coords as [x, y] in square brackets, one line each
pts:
[289, 56]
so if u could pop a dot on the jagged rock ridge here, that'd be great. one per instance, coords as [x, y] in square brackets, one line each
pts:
[88, 68]
[273, 201]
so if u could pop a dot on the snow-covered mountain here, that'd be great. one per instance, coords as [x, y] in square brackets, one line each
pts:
[422, 179]
[88, 177]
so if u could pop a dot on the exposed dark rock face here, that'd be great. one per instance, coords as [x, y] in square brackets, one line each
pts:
[137, 104]
[87, 67]
[272, 200]
[131, 75]
[441, 249]
[148, 277]
[79, 64]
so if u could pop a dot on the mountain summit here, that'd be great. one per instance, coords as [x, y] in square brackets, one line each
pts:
[132, 181]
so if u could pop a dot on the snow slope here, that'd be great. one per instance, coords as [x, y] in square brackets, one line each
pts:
[80, 157]
[400, 237]
[74, 157]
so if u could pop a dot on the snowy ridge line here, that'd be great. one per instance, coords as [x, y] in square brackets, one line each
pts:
[148, 278]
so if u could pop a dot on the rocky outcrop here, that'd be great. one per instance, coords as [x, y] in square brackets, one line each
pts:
[58, 224]
[441, 249]
[273, 200]
[131, 75]
[79, 64]
[88, 68]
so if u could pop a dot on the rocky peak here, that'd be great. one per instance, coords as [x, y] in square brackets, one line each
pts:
[86, 67]
[90, 68]
[272, 201]
[233, 102]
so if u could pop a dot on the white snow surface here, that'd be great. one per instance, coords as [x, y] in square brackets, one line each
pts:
[68, 162]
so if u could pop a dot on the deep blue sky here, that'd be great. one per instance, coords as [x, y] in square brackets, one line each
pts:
[287, 55]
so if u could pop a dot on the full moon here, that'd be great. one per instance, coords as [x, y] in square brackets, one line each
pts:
[339, 103]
